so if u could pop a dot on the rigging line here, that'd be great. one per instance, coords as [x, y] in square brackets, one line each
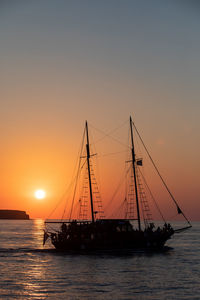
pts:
[77, 176]
[155, 202]
[83, 164]
[115, 192]
[62, 198]
[82, 190]
[139, 150]
[109, 134]
[78, 172]
[112, 153]
[96, 162]
[77, 209]
[97, 186]
[174, 216]
[141, 200]
[68, 188]
[73, 198]
[118, 211]
[160, 175]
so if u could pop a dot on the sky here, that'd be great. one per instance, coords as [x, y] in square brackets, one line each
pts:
[64, 62]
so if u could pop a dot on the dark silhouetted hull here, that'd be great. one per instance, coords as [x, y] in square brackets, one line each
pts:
[108, 235]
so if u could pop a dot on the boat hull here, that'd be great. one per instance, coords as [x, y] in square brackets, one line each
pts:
[106, 236]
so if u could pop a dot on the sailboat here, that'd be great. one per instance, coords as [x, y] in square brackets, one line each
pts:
[100, 233]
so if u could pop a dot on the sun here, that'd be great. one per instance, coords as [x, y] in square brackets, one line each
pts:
[40, 194]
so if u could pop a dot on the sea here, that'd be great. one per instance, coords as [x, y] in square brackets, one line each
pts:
[30, 271]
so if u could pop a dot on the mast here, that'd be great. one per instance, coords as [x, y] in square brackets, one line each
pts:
[89, 174]
[134, 173]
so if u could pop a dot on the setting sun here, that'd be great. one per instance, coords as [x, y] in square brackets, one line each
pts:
[40, 194]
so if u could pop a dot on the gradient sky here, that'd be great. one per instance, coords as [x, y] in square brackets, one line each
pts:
[63, 62]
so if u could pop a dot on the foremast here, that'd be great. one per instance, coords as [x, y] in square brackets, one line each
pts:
[134, 175]
[89, 173]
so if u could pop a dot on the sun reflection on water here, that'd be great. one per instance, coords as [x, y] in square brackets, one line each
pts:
[38, 227]
[35, 275]
[36, 271]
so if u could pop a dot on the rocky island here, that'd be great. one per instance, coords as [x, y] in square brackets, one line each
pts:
[11, 214]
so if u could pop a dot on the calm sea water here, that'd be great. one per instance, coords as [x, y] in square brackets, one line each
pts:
[29, 271]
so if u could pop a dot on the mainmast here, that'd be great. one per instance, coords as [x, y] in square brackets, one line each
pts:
[89, 174]
[134, 173]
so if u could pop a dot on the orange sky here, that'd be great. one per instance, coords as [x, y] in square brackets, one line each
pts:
[67, 62]
[37, 163]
